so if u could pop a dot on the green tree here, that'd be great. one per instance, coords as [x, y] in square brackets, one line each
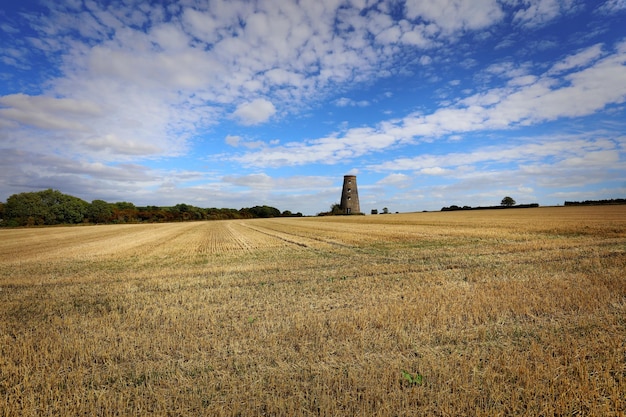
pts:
[46, 207]
[69, 209]
[125, 205]
[335, 209]
[507, 202]
[99, 211]
[24, 209]
[264, 211]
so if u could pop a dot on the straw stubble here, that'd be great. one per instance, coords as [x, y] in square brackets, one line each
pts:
[508, 312]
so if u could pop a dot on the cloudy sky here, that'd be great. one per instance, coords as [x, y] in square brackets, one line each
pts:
[228, 103]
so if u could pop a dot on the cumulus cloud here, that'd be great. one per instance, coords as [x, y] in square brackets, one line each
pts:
[129, 83]
[567, 150]
[348, 102]
[434, 171]
[396, 180]
[233, 140]
[455, 15]
[159, 73]
[255, 112]
[263, 181]
[537, 99]
[538, 12]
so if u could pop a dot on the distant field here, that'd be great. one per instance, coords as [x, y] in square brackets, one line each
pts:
[482, 313]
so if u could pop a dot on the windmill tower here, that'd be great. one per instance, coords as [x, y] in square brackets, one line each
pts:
[350, 196]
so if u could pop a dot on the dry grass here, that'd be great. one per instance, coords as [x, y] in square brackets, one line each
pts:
[512, 312]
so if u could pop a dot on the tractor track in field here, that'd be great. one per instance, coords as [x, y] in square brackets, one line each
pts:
[296, 239]
[277, 235]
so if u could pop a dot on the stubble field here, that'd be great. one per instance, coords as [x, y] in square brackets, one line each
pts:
[485, 313]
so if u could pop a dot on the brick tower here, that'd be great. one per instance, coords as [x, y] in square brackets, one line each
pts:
[350, 196]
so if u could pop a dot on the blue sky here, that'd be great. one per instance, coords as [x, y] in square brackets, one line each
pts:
[238, 103]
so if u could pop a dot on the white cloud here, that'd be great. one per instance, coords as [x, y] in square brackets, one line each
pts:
[418, 36]
[258, 181]
[539, 12]
[237, 141]
[121, 145]
[348, 102]
[263, 181]
[396, 180]
[233, 140]
[455, 15]
[567, 150]
[594, 159]
[343, 102]
[528, 100]
[522, 80]
[612, 6]
[255, 112]
[145, 81]
[47, 112]
[425, 60]
[8, 28]
[578, 60]
[158, 75]
[434, 171]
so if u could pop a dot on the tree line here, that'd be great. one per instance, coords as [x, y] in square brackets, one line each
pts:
[507, 202]
[51, 207]
[612, 201]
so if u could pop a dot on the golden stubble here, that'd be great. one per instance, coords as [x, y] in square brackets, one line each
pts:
[508, 312]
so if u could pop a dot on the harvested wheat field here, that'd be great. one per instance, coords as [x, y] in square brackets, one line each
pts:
[484, 313]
